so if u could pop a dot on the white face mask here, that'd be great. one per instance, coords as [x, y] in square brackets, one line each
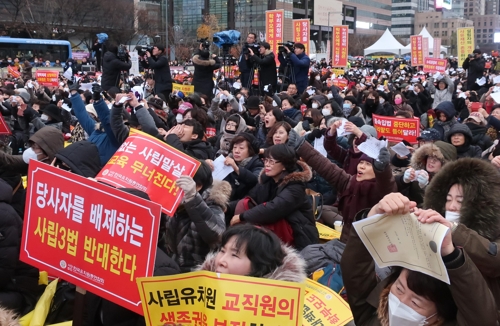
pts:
[29, 154]
[317, 77]
[44, 117]
[315, 105]
[54, 98]
[325, 112]
[452, 216]
[179, 118]
[330, 96]
[402, 315]
[381, 100]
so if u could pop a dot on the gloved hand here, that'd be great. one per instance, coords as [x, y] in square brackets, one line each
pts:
[73, 86]
[423, 179]
[409, 175]
[306, 125]
[30, 113]
[316, 133]
[188, 185]
[383, 159]
[96, 92]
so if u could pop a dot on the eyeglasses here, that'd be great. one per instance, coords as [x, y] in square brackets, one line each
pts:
[270, 161]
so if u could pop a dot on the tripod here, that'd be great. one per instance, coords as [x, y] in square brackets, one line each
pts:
[288, 72]
[226, 64]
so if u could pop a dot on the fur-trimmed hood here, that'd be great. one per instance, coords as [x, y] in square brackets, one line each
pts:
[218, 193]
[199, 61]
[293, 268]
[444, 152]
[302, 174]
[480, 181]
[8, 318]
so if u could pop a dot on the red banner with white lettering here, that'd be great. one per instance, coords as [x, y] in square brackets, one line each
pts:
[47, 77]
[417, 53]
[397, 129]
[87, 233]
[301, 32]
[148, 164]
[434, 65]
[340, 45]
[274, 30]
[425, 47]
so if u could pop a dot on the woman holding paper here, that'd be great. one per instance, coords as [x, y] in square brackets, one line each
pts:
[411, 298]
[466, 193]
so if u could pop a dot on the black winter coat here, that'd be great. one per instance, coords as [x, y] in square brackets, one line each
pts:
[246, 180]
[111, 68]
[195, 148]
[267, 69]
[286, 199]
[479, 136]
[475, 70]
[162, 76]
[203, 73]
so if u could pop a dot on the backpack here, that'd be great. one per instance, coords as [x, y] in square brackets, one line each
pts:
[331, 277]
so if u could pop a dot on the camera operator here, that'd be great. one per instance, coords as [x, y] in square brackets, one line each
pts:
[475, 66]
[204, 70]
[244, 64]
[112, 66]
[157, 60]
[300, 63]
[267, 66]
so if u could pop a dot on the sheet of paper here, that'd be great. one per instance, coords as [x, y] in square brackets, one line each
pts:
[220, 169]
[496, 80]
[372, 146]
[437, 76]
[400, 149]
[496, 89]
[319, 145]
[68, 73]
[341, 130]
[481, 81]
[495, 97]
[463, 95]
[86, 87]
[66, 107]
[401, 240]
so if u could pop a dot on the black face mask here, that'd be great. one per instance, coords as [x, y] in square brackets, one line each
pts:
[308, 119]
[231, 131]
[370, 102]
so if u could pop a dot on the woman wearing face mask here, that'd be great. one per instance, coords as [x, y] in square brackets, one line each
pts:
[315, 80]
[331, 108]
[350, 108]
[248, 250]
[465, 193]
[419, 99]
[371, 105]
[311, 121]
[412, 298]
[270, 119]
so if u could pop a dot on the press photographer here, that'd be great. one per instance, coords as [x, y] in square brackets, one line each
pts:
[474, 64]
[243, 63]
[296, 63]
[204, 67]
[264, 61]
[154, 58]
[115, 60]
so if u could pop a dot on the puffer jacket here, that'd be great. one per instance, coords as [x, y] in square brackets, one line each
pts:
[203, 73]
[82, 157]
[247, 178]
[8, 318]
[467, 149]
[479, 136]
[293, 268]
[195, 148]
[449, 110]
[197, 225]
[442, 95]
[285, 200]
[479, 229]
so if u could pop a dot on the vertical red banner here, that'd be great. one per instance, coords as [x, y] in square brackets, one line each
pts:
[340, 45]
[436, 47]
[417, 55]
[301, 32]
[274, 29]
[425, 47]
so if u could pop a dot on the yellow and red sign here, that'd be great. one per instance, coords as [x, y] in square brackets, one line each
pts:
[417, 50]
[92, 235]
[207, 298]
[397, 129]
[465, 42]
[275, 20]
[435, 65]
[322, 306]
[340, 45]
[148, 164]
[301, 32]
[186, 89]
[47, 77]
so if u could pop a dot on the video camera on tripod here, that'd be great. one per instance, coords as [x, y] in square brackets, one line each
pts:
[142, 50]
[254, 46]
[122, 53]
[287, 44]
[204, 43]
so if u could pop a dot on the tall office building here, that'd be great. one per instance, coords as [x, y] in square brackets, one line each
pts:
[403, 17]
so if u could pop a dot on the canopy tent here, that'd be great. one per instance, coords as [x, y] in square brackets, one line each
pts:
[386, 44]
[425, 33]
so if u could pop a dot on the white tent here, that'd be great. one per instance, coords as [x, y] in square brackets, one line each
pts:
[385, 44]
[425, 33]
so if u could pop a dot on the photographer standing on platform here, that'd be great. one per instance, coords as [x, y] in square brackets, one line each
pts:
[474, 64]
[244, 64]
[299, 61]
[115, 60]
[158, 62]
[204, 70]
[265, 62]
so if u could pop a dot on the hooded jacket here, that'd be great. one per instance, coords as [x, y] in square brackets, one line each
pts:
[224, 143]
[467, 149]
[479, 229]
[197, 225]
[293, 268]
[347, 158]
[444, 152]
[285, 200]
[449, 111]
[203, 73]
[442, 95]
[82, 157]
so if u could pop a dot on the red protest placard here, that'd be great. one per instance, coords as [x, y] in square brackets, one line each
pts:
[340, 45]
[397, 129]
[4, 128]
[339, 82]
[301, 32]
[13, 72]
[148, 164]
[47, 77]
[274, 30]
[92, 235]
[435, 65]
[417, 53]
